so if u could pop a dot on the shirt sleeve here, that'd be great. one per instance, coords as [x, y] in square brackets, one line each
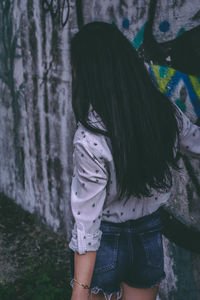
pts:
[88, 193]
[189, 137]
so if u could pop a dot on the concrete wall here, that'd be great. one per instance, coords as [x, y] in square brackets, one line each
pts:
[36, 117]
[37, 124]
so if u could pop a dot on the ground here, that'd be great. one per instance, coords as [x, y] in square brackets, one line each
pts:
[34, 261]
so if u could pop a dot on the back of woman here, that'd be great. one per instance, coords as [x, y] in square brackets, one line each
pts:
[125, 148]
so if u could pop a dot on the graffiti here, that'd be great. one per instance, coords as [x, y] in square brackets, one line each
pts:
[8, 55]
[138, 39]
[165, 67]
[57, 10]
[181, 53]
[164, 75]
[181, 101]
[126, 23]
[164, 26]
[196, 16]
[8, 51]
[167, 79]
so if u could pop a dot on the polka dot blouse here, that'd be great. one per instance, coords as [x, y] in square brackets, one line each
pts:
[93, 190]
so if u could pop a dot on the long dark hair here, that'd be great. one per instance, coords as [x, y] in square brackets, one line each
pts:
[140, 121]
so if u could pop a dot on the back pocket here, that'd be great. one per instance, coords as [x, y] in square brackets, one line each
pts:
[153, 247]
[106, 258]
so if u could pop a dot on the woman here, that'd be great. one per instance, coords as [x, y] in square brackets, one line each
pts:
[125, 149]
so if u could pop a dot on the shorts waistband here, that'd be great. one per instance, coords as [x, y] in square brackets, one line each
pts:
[135, 222]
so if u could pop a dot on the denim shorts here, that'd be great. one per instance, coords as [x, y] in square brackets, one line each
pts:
[130, 252]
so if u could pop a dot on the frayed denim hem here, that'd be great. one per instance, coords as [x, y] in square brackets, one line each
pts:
[96, 290]
[157, 283]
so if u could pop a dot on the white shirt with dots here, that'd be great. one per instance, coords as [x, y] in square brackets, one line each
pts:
[93, 190]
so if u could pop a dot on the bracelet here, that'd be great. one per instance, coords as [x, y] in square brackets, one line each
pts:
[85, 286]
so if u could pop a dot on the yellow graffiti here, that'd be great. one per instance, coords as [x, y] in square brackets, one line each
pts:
[163, 81]
[196, 84]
